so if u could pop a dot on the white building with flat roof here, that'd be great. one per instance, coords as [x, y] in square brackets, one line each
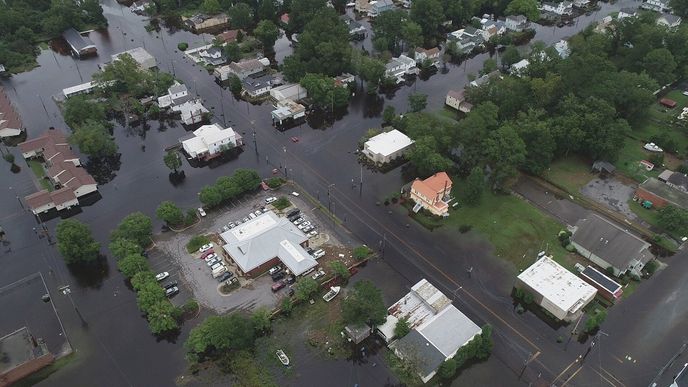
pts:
[141, 56]
[556, 289]
[265, 241]
[387, 146]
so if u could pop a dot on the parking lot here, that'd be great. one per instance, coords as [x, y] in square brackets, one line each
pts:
[161, 262]
[612, 193]
[193, 273]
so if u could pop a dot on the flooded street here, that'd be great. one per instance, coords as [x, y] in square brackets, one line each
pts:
[114, 345]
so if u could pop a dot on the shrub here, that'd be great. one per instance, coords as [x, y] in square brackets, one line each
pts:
[183, 46]
[196, 242]
[361, 252]
[340, 270]
[190, 306]
[281, 203]
[9, 157]
[610, 270]
[402, 328]
[651, 267]
[570, 248]
[464, 228]
[275, 182]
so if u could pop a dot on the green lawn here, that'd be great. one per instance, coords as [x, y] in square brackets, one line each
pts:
[516, 229]
[629, 161]
[660, 121]
[571, 173]
[38, 170]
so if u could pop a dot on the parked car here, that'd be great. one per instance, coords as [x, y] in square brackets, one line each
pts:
[246, 219]
[318, 274]
[205, 248]
[171, 292]
[290, 292]
[225, 276]
[207, 253]
[270, 199]
[162, 276]
[170, 285]
[302, 226]
[212, 262]
[278, 285]
[263, 209]
[294, 139]
[277, 276]
[274, 270]
[290, 279]
[252, 215]
[298, 221]
[258, 212]
[216, 266]
[224, 229]
[307, 223]
[231, 225]
[307, 229]
[295, 194]
[312, 234]
[201, 212]
[318, 253]
[211, 257]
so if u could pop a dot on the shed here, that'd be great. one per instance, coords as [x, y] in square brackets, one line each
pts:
[670, 103]
[603, 167]
[357, 334]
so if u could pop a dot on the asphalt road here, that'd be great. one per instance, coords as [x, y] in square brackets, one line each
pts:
[119, 349]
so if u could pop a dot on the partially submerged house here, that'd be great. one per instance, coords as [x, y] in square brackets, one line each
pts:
[387, 146]
[144, 59]
[210, 141]
[177, 94]
[456, 99]
[191, 112]
[80, 46]
[432, 194]
[203, 23]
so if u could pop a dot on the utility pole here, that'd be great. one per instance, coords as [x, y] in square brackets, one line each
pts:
[329, 201]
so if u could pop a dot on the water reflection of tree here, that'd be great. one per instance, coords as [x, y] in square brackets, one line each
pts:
[103, 169]
[373, 105]
[91, 275]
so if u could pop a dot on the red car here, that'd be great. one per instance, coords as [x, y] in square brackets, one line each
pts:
[294, 139]
[207, 253]
[278, 285]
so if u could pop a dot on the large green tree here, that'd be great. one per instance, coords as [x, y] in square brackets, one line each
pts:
[75, 243]
[135, 227]
[527, 8]
[172, 160]
[661, 66]
[221, 333]
[673, 219]
[161, 317]
[170, 213]
[474, 186]
[504, 151]
[121, 247]
[323, 91]
[302, 12]
[417, 102]
[94, 139]
[305, 288]
[241, 16]
[679, 7]
[132, 264]
[364, 305]
[210, 196]
[428, 14]
[533, 128]
[79, 109]
[267, 32]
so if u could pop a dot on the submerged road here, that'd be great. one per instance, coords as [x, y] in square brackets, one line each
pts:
[116, 343]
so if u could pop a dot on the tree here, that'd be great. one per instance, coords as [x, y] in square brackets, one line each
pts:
[447, 369]
[246, 179]
[241, 16]
[267, 32]
[504, 151]
[211, 7]
[324, 92]
[411, 33]
[305, 288]
[267, 10]
[235, 85]
[120, 248]
[221, 333]
[474, 186]
[428, 14]
[489, 66]
[679, 7]
[388, 114]
[170, 213]
[426, 156]
[173, 160]
[387, 29]
[132, 264]
[533, 128]
[149, 294]
[370, 70]
[93, 139]
[361, 252]
[673, 219]
[233, 52]
[135, 227]
[340, 270]
[417, 102]
[661, 66]
[161, 317]
[302, 12]
[364, 305]
[593, 322]
[510, 56]
[79, 109]
[140, 279]
[75, 243]
[210, 196]
[401, 328]
[260, 319]
[527, 8]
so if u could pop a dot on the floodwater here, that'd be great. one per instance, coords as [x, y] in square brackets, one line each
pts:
[113, 343]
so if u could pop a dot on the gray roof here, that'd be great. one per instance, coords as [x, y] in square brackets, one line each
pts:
[177, 88]
[671, 19]
[518, 18]
[419, 351]
[259, 240]
[601, 165]
[384, 4]
[257, 83]
[672, 195]
[616, 246]
[630, 11]
[679, 179]
[74, 39]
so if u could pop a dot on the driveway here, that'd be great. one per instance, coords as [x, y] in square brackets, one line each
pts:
[612, 193]
[560, 207]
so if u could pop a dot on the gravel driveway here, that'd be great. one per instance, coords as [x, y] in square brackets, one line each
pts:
[612, 193]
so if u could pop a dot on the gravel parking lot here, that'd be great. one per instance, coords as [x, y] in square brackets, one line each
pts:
[612, 193]
[194, 272]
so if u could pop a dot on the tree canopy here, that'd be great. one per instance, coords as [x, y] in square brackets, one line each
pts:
[75, 243]
[364, 305]
[267, 32]
[221, 333]
[324, 92]
[527, 8]
[135, 227]
[172, 160]
[93, 139]
[170, 213]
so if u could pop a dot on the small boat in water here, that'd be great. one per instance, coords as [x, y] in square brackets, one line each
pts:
[282, 357]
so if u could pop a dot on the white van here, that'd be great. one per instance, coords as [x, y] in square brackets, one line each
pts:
[218, 271]
[319, 254]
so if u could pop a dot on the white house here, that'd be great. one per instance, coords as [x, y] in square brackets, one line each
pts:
[581, 3]
[519, 67]
[466, 39]
[398, 67]
[176, 95]
[627, 12]
[669, 20]
[492, 28]
[387, 146]
[287, 111]
[457, 100]
[438, 329]
[563, 49]
[141, 56]
[516, 23]
[563, 8]
[362, 6]
[432, 54]
[192, 112]
[380, 6]
[290, 91]
[210, 141]
[657, 5]
[557, 290]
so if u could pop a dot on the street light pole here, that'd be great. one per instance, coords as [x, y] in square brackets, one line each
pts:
[329, 201]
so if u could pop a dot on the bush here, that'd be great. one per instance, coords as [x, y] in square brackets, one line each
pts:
[196, 242]
[183, 46]
[190, 306]
[287, 306]
[651, 267]
[464, 228]
[361, 252]
[447, 369]
[595, 320]
[340, 270]
[570, 248]
[281, 203]
[610, 271]
[275, 182]
[9, 157]
[402, 328]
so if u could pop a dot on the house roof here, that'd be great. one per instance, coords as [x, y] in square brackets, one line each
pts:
[678, 179]
[228, 36]
[670, 19]
[247, 65]
[416, 348]
[628, 11]
[62, 196]
[259, 240]
[38, 199]
[140, 55]
[557, 285]
[456, 94]
[78, 42]
[429, 52]
[601, 165]
[256, 83]
[39, 143]
[616, 246]
[518, 18]
[665, 175]
[662, 190]
[284, 18]
[388, 143]
[438, 181]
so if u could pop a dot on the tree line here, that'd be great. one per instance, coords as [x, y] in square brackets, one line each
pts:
[229, 187]
[24, 23]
